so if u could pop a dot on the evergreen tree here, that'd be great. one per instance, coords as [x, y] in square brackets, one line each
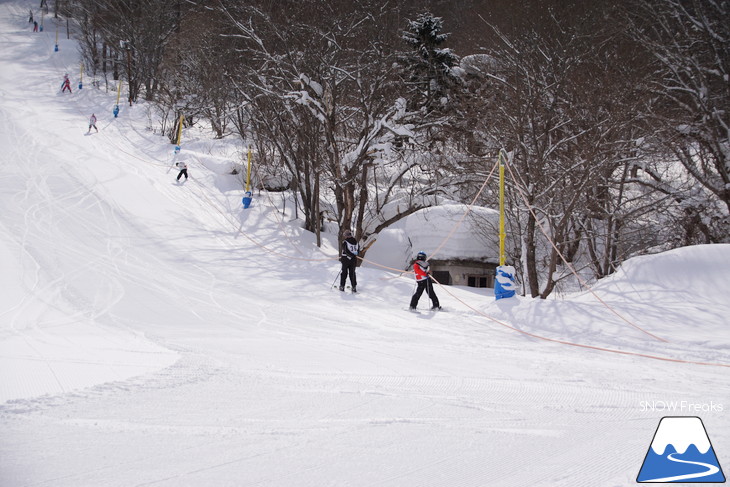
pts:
[427, 67]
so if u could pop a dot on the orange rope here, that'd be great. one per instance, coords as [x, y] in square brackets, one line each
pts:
[150, 161]
[279, 220]
[579, 345]
[401, 272]
[252, 240]
[570, 266]
[468, 210]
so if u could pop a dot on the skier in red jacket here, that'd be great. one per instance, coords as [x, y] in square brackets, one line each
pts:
[424, 281]
[66, 84]
[92, 123]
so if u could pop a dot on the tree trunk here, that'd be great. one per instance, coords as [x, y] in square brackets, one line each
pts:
[531, 257]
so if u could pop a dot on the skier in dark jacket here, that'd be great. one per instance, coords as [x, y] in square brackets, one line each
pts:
[183, 170]
[348, 258]
[424, 281]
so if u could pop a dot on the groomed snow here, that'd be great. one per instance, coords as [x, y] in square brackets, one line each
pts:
[157, 334]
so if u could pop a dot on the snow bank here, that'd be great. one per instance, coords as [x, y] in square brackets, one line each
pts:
[679, 296]
[700, 270]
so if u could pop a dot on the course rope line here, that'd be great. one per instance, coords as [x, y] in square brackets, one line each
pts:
[151, 161]
[240, 231]
[454, 228]
[279, 219]
[570, 266]
[457, 225]
[227, 217]
[579, 345]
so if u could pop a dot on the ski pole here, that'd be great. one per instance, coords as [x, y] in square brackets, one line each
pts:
[335, 280]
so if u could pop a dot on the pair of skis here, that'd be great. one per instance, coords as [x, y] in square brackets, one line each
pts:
[416, 311]
[431, 310]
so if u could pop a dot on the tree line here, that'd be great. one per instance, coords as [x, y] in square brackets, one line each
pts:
[614, 115]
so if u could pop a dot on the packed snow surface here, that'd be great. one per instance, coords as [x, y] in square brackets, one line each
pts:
[155, 333]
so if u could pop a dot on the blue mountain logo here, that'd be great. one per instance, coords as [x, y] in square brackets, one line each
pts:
[681, 452]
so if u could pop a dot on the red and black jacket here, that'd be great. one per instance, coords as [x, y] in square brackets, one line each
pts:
[421, 268]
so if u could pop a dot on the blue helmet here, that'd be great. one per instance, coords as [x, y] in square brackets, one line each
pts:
[421, 256]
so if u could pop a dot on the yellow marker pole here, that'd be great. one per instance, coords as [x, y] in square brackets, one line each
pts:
[502, 233]
[247, 198]
[248, 172]
[119, 93]
[504, 286]
[179, 130]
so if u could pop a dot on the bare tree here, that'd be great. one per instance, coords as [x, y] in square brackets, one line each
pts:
[689, 118]
[136, 33]
[555, 103]
[319, 85]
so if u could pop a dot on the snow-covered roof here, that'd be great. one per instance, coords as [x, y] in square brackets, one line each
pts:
[434, 231]
[478, 64]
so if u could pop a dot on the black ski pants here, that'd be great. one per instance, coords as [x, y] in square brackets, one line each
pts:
[348, 269]
[427, 285]
[183, 172]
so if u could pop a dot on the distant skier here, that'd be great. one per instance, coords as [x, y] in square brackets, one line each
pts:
[92, 123]
[183, 170]
[348, 259]
[30, 19]
[424, 281]
[66, 84]
[35, 26]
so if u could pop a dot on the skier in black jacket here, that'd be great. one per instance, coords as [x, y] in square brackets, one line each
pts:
[348, 258]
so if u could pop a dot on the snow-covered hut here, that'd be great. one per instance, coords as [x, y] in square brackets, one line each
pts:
[463, 255]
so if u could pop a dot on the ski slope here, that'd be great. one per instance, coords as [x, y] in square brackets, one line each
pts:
[156, 334]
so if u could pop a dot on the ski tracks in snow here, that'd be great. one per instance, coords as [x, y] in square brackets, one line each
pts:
[207, 380]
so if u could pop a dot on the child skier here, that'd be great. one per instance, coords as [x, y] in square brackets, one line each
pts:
[424, 281]
[348, 258]
[92, 123]
[183, 170]
[66, 84]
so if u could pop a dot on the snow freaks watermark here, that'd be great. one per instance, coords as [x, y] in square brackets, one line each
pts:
[680, 451]
[681, 407]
